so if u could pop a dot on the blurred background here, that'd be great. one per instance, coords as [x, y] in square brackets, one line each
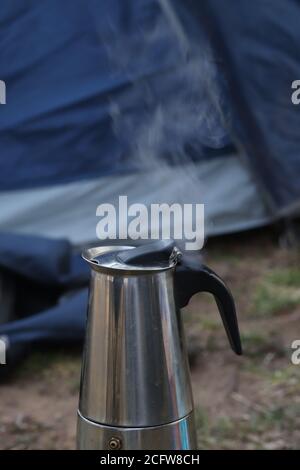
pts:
[161, 101]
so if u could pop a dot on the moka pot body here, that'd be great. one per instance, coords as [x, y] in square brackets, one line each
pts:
[135, 384]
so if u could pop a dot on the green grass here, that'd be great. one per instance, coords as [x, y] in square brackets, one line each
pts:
[287, 379]
[271, 300]
[249, 430]
[209, 324]
[285, 277]
[277, 292]
[257, 344]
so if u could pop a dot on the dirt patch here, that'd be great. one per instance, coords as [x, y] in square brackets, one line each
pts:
[38, 404]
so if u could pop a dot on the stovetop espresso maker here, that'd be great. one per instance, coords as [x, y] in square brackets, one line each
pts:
[135, 384]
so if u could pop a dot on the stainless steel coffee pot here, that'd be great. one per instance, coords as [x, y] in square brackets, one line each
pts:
[135, 384]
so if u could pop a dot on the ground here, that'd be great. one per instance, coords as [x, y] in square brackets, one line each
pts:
[248, 402]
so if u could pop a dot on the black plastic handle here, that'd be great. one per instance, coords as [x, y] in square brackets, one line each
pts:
[192, 277]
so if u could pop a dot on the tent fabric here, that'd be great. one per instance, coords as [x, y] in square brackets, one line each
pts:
[86, 73]
[65, 322]
[23, 211]
[37, 264]
[259, 46]
[71, 81]
[43, 260]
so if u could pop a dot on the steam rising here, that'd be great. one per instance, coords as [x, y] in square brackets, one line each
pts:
[171, 111]
[169, 108]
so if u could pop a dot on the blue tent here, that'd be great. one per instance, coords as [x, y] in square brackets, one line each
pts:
[154, 99]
